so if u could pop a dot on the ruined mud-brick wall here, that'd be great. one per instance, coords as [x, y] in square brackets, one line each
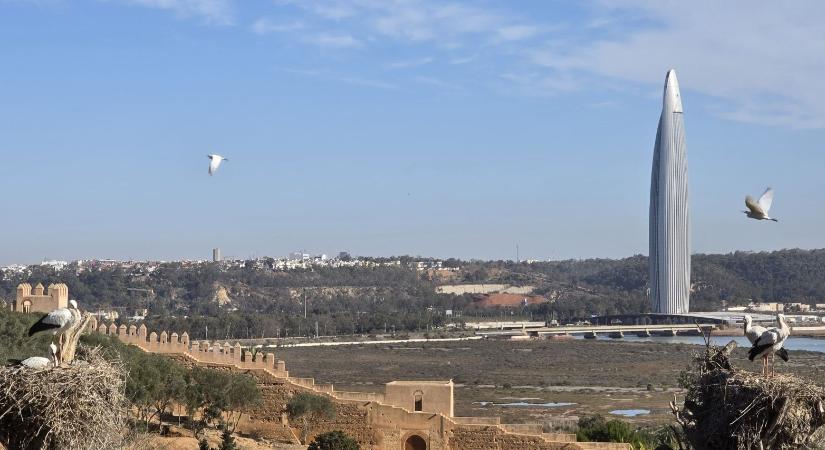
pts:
[493, 438]
[275, 394]
[352, 420]
[349, 418]
[375, 425]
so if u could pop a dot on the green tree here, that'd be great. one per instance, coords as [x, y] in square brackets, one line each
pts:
[333, 440]
[597, 429]
[16, 342]
[219, 395]
[309, 409]
[227, 441]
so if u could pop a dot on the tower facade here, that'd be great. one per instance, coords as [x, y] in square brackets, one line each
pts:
[40, 299]
[669, 213]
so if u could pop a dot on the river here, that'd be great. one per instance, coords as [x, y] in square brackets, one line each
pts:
[793, 343]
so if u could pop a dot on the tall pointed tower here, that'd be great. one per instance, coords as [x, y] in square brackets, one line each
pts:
[669, 215]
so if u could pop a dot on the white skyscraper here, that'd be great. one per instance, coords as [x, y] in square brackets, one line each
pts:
[669, 213]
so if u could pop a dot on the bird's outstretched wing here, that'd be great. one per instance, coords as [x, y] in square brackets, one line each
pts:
[753, 206]
[766, 199]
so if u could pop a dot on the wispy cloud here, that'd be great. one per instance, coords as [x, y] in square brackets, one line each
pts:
[339, 78]
[366, 82]
[409, 63]
[219, 12]
[421, 20]
[756, 59]
[541, 84]
[436, 82]
[332, 40]
[516, 32]
[265, 26]
[464, 59]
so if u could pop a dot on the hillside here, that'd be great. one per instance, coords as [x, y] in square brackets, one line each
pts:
[259, 299]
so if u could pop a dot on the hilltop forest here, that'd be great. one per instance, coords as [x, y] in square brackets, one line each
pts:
[257, 300]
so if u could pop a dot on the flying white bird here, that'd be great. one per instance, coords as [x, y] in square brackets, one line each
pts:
[753, 332]
[770, 342]
[39, 362]
[58, 321]
[215, 162]
[759, 209]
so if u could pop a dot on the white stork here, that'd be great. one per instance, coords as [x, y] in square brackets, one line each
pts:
[39, 362]
[58, 321]
[215, 161]
[752, 332]
[770, 342]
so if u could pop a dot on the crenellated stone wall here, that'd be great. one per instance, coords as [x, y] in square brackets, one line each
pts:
[370, 418]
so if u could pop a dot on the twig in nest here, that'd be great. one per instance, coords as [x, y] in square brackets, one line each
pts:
[80, 406]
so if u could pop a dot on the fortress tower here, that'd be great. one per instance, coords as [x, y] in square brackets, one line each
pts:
[669, 214]
[40, 300]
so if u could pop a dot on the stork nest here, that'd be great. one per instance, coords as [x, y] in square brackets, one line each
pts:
[80, 406]
[726, 408]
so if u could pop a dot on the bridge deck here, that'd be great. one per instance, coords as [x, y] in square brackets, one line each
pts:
[599, 329]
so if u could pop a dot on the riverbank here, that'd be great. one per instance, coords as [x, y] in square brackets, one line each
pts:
[795, 331]
[527, 380]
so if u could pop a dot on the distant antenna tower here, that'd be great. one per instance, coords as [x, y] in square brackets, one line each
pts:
[517, 256]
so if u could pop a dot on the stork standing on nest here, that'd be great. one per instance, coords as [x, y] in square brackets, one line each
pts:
[58, 321]
[752, 332]
[769, 342]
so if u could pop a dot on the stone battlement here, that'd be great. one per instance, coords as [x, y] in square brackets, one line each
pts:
[40, 299]
[409, 415]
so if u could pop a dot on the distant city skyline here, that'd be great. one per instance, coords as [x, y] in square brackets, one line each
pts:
[422, 127]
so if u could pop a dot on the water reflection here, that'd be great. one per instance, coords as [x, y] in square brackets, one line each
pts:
[793, 342]
[630, 412]
[526, 404]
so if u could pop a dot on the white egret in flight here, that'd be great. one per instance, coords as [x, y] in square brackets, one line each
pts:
[759, 209]
[215, 162]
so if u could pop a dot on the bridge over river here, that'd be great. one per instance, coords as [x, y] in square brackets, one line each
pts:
[616, 331]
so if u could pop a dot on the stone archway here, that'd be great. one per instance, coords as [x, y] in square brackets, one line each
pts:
[415, 442]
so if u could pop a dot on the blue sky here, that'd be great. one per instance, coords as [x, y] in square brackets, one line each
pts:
[439, 128]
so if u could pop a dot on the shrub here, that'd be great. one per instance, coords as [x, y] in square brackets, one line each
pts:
[333, 440]
[309, 408]
[597, 429]
[227, 441]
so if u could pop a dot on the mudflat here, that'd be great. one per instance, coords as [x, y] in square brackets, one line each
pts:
[527, 380]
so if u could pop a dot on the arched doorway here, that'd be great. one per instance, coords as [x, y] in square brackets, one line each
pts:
[415, 442]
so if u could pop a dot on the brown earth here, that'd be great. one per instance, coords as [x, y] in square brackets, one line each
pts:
[187, 442]
[494, 300]
[598, 376]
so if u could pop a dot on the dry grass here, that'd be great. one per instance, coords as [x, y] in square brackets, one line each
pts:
[80, 406]
[727, 408]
